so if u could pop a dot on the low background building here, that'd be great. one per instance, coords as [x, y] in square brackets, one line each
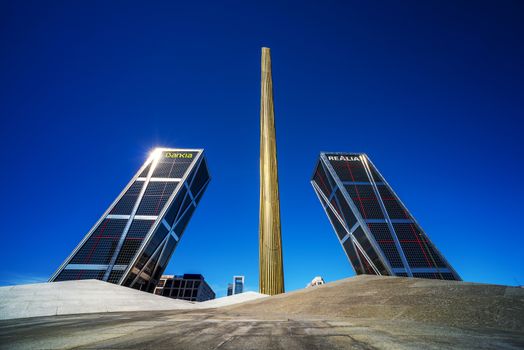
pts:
[317, 281]
[190, 287]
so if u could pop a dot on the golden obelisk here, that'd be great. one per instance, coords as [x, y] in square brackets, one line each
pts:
[271, 280]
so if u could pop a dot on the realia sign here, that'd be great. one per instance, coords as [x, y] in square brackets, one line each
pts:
[344, 158]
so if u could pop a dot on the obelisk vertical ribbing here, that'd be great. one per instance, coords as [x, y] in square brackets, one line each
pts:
[271, 278]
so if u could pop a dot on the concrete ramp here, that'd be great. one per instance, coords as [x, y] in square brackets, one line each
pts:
[79, 297]
[451, 303]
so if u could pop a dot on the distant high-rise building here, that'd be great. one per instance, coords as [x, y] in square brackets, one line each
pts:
[377, 232]
[132, 242]
[190, 287]
[238, 284]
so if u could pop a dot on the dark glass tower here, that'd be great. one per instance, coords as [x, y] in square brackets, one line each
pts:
[377, 232]
[131, 244]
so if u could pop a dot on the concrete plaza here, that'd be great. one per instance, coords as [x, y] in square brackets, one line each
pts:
[364, 312]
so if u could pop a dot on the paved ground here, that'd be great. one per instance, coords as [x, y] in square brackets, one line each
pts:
[357, 313]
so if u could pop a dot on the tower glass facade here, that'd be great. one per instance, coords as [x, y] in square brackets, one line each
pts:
[132, 242]
[377, 232]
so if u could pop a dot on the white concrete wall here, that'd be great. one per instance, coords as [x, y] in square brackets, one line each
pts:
[231, 300]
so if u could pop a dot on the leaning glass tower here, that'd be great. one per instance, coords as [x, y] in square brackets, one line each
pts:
[377, 232]
[132, 242]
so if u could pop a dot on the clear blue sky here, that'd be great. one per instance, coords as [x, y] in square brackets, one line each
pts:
[432, 91]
